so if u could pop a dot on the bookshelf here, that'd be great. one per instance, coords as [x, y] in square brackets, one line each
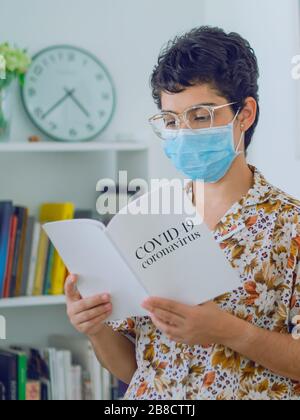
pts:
[34, 173]
[36, 301]
[44, 147]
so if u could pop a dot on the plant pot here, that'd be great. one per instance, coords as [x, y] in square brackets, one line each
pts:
[5, 112]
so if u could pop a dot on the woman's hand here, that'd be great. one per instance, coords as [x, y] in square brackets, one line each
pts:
[193, 325]
[86, 315]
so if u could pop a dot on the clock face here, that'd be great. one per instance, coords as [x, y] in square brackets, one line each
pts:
[68, 94]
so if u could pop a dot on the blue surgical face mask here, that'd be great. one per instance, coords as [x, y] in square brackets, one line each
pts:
[203, 154]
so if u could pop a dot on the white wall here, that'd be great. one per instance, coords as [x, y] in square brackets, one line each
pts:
[125, 34]
[272, 28]
[128, 34]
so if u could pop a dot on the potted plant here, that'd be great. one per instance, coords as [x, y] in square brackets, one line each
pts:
[13, 65]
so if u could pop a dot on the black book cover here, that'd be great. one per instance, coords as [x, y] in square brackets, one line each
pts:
[2, 392]
[20, 212]
[8, 374]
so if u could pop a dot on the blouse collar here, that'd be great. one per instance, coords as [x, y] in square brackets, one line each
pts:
[233, 221]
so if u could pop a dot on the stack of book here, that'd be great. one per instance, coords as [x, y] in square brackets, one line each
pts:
[29, 264]
[66, 370]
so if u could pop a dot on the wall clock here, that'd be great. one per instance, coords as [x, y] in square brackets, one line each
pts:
[68, 94]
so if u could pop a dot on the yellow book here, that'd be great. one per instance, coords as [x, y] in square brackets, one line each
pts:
[40, 264]
[52, 212]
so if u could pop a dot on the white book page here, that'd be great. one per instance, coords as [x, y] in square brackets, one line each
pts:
[171, 258]
[88, 252]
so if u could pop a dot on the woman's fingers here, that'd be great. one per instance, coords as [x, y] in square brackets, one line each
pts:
[93, 325]
[168, 317]
[71, 291]
[91, 314]
[168, 330]
[89, 303]
[86, 315]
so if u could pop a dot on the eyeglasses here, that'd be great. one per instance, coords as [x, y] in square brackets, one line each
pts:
[166, 125]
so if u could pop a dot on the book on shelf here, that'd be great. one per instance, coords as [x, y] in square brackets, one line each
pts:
[9, 374]
[54, 277]
[6, 215]
[67, 370]
[29, 263]
[84, 356]
[21, 372]
[144, 253]
[10, 256]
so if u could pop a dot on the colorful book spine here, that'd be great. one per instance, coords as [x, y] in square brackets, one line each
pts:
[18, 289]
[33, 391]
[12, 242]
[41, 264]
[22, 376]
[27, 255]
[33, 258]
[6, 213]
[48, 277]
[20, 213]
[22, 363]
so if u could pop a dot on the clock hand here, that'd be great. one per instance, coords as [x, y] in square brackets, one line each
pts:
[69, 93]
[75, 100]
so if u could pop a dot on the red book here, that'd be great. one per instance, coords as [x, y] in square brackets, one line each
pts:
[11, 249]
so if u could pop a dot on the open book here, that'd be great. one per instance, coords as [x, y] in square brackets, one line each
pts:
[145, 253]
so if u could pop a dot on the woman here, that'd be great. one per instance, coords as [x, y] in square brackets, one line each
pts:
[241, 345]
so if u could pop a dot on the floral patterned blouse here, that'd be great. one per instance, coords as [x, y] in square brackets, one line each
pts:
[260, 236]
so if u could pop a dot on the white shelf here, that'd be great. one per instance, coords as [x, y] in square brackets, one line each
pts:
[72, 147]
[24, 302]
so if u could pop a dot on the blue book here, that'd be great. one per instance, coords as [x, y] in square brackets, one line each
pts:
[6, 213]
[49, 266]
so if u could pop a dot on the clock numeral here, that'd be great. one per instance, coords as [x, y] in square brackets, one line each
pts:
[53, 58]
[106, 96]
[53, 126]
[71, 57]
[38, 112]
[73, 132]
[38, 70]
[31, 92]
[33, 79]
[90, 127]
[85, 63]
[99, 77]
[61, 56]
[46, 63]
[102, 114]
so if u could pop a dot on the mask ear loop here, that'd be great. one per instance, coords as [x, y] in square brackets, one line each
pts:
[242, 135]
[238, 146]
[236, 115]
[237, 151]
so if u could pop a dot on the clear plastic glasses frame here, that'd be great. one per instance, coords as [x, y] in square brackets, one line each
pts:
[165, 132]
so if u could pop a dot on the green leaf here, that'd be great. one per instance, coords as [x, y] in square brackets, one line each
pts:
[22, 79]
[17, 61]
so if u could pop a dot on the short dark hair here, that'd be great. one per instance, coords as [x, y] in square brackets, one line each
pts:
[209, 55]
